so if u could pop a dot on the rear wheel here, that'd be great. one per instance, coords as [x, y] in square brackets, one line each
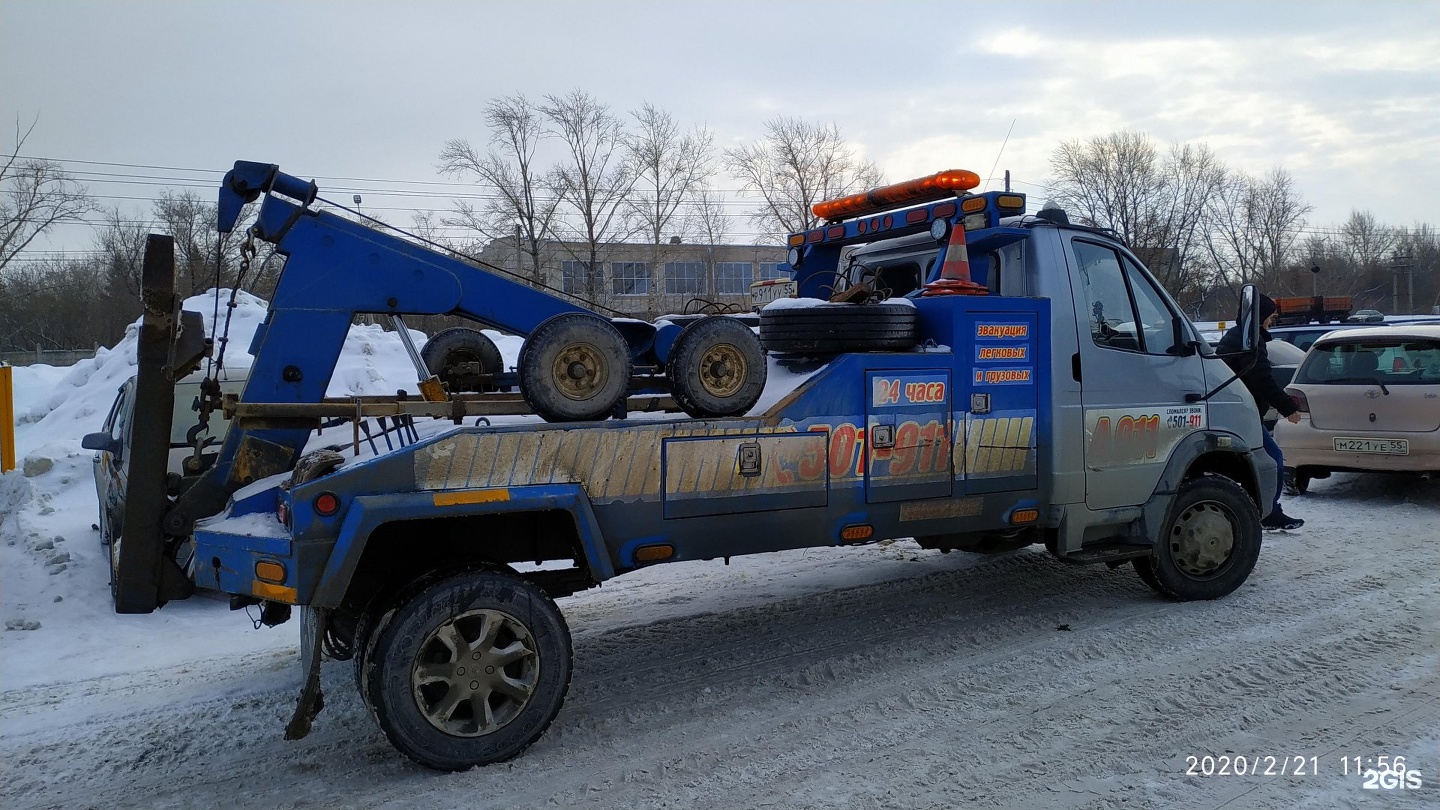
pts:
[1210, 542]
[575, 367]
[113, 547]
[1296, 482]
[716, 368]
[455, 355]
[470, 671]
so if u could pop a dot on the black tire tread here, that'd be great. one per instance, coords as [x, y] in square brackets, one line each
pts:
[535, 383]
[447, 593]
[1246, 517]
[684, 358]
[442, 344]
[836, 328]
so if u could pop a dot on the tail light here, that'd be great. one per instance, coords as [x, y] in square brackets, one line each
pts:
[1299, 399]
[326, 504]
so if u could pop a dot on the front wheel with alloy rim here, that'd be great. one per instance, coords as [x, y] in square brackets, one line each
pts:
[1209, 543]
[469, 671]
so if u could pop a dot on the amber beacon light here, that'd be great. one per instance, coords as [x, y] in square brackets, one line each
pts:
[935, 187]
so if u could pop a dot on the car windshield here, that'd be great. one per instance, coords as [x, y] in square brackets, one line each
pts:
[1391, 361]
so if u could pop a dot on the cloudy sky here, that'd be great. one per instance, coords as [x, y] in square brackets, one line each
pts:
[1344, 95]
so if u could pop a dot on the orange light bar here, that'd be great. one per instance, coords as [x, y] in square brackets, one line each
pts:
[924, 189]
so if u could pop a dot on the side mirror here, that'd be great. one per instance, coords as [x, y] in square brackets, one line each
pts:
[1249, 318]
[103, 442]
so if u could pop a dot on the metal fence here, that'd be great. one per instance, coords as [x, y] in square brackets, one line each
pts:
[50, 357]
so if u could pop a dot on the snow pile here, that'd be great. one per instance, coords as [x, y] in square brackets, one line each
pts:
[55, 598]
[54, 572]
[78, 402]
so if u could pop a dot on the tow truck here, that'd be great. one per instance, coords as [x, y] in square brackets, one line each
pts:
[960, 373]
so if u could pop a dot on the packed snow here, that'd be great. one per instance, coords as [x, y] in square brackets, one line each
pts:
[873, 676]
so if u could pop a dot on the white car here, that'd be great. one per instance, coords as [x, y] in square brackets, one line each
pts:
[1369, 402]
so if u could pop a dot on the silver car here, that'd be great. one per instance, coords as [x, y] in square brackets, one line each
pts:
[1369, 402]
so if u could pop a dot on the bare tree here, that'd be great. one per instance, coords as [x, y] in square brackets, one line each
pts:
[707, 218]
[204, 257]
[508, 171]
[1418, 249]
[1155, 202]
[121, 244]
[1254, 225]
[53, 303]
[669, 168]
[796, 165]
[1113, 181]
[595, 181]
[1364, 240]
[35, 196]
[1175, 242]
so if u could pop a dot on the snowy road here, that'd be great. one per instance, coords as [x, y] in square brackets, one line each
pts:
[878, 677]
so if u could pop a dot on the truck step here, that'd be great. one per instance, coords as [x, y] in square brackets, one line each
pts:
[1108, 552]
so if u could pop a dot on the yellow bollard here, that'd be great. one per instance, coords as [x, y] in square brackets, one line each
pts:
[7, 421]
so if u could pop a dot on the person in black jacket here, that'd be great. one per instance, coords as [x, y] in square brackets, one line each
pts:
[1267, 393]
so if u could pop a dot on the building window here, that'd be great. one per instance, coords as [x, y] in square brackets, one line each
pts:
[630, 278]
[769, 270]
[574, 279]
[733, 278]
[685, 278]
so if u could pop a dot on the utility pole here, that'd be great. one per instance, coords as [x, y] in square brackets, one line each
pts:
[518, 254]
[1314, 280]
[1399, 264]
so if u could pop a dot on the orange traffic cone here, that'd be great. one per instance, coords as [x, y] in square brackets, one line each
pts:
[955, 272]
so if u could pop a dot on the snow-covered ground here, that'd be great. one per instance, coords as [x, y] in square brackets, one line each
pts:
[878, 676]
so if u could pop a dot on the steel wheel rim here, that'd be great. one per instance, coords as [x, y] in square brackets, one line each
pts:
[1202, 539]
[475, 673]
[455, 358]
[578, 371]
[722, 370]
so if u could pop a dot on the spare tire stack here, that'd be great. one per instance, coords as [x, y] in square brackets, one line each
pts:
[832, 328]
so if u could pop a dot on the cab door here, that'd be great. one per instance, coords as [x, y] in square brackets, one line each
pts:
[1136, 370]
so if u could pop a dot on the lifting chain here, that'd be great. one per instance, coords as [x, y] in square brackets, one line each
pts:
[210, 394]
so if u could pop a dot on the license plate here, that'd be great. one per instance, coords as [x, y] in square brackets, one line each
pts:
[1394, 447]
[763, 292]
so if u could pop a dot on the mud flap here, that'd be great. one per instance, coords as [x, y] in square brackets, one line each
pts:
[311, 700]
